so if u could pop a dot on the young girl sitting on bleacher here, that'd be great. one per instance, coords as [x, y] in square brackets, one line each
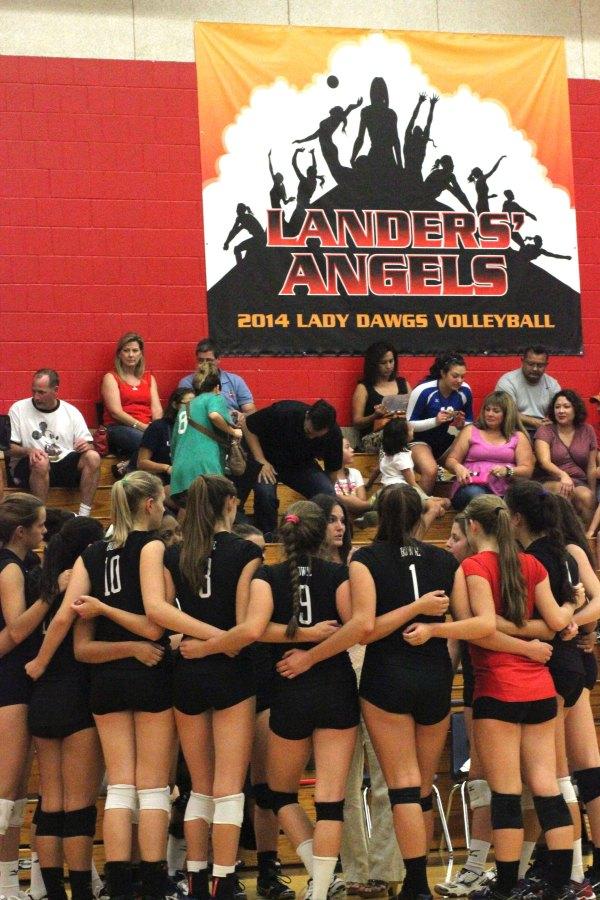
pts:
[396, 467]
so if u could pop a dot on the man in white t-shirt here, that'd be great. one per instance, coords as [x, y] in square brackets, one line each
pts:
[530, 387]
[50, 444]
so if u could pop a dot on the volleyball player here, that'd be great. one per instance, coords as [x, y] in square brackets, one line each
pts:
[407, 675]
[61, 722]
[514, 707]
[22, 529]
[131, 694]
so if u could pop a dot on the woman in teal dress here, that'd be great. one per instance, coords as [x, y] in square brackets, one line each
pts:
[195, 452]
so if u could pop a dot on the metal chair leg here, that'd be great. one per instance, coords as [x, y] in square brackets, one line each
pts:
[465, 811]
[445, 831]
[367, 811]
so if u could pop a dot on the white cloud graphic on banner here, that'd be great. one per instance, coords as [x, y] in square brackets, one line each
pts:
[474, 132]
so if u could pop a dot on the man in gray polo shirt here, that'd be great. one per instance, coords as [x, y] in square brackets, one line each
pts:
[530, 387]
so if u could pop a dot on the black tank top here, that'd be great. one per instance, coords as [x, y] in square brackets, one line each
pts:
[566, 655]
[401, 575]
[320, 580]
[374, 398]
[27, 649]
[115, 579]
[63, 663]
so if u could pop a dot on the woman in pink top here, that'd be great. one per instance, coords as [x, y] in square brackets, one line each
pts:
[487, 454]
[130, 397]
[566, 451]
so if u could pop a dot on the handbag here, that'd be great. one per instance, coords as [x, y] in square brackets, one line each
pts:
[236, 457]
[100, 440]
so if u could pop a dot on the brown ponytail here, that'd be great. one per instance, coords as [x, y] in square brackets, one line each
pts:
[302, 531]
[17, 509]
[399, 507]
[492, 514]
[205, 504]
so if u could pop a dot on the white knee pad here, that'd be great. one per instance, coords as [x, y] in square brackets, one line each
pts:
[199, 806]
[567, 790]
[479, 793]
[121, 796]
[229, 810]
[18, 813]
[6, 808]
[155, 798]
[526, 799]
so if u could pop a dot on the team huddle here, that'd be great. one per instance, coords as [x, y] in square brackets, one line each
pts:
[124, 647]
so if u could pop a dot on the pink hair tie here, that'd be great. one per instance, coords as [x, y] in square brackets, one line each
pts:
[292, 517]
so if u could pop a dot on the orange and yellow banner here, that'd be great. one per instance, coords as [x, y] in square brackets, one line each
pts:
[356, 182]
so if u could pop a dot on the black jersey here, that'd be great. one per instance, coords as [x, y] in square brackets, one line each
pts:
[27, 649]
[320, 580]
[114, 573]
[401, 575]
[214, 604]
[566, 655]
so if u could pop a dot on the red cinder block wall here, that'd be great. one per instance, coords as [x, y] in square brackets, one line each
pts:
[101, 232]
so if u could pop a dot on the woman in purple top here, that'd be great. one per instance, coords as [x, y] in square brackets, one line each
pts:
[487, 454]
[566, 451]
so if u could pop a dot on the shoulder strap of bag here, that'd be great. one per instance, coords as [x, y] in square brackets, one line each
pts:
[211, 434]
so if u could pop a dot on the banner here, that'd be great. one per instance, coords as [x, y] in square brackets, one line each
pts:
[362, 185]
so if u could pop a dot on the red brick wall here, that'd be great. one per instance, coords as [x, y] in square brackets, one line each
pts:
[101, 232]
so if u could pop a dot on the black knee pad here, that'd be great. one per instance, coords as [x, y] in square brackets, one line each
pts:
[180, 802]
[334, 810]
[506, 811]
[552, 812]
[262, 795]
[404, 795]
[426, 803]
[50, 824]
[79, 822]
[588, 784]
[279, 800]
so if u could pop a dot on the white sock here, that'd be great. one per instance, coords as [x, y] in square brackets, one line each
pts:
[525, 860]
[84, 510]
[478, 854]
[197, 865]
[323, 867]
[176, 850]
[9, 877]
[577, 870]
[305, 852]
[222, 871]
[37, 888]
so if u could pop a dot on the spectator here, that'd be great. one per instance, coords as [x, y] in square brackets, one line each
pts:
[566, 451]
[349, 485]
[154, 455]
[130, 397]
[530, 387]
[378, 393]
[195, 451]
[234, 389]
[286, 439]
[438, 409]
[487, 454]
[50, 445]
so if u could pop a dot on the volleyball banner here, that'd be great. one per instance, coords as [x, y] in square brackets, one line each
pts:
[366, 184]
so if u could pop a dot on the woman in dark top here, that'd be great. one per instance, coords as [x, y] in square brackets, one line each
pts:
[131, 691]
[61, 722]
[580, 731]
[407, 675]
[380, 380]
[303, 600]
[21, 531]
[535, 514]
[214, 693]
[154, 455]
